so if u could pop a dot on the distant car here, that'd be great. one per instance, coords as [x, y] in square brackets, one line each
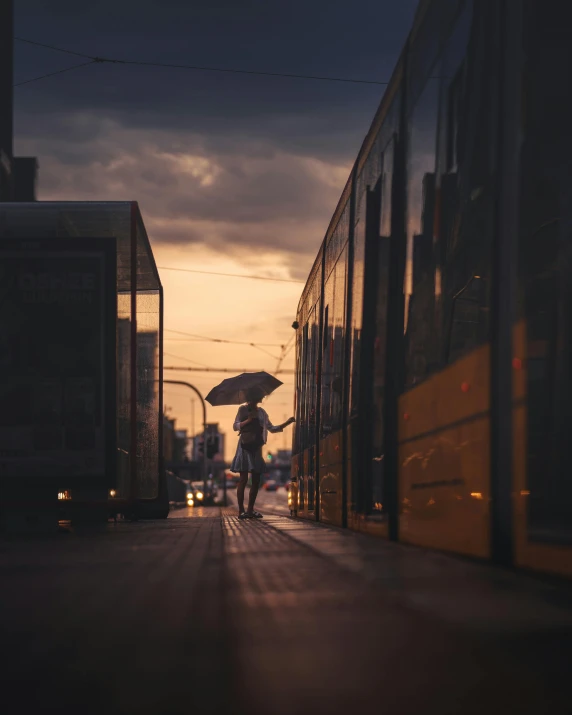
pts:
[271, 485]
[190, 497]
[204, 496]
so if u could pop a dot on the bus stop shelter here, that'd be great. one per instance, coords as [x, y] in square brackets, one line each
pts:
[81, 326]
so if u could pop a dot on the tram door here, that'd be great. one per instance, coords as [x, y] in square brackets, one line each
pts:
[377, 502]
[543, 336]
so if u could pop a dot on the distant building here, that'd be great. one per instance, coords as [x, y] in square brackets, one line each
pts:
[175, 443]
[6, 98]
[17, 174]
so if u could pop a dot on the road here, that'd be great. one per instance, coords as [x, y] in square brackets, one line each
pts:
[266, 502]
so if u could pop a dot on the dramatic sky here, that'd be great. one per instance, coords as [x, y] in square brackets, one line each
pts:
[233, 173]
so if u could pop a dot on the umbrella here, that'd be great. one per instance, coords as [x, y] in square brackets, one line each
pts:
[239, 389]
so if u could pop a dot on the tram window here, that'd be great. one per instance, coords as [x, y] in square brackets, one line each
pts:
[337, 349]
[357, 308]
[305, 390]
[327, 366]
[463, 226]
[419, 279]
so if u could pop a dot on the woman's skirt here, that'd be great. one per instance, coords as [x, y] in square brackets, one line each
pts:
[245, 461]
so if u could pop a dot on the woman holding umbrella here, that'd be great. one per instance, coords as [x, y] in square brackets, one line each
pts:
[253, 424]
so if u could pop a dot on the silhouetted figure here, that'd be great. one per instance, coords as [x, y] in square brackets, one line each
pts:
[253, 424]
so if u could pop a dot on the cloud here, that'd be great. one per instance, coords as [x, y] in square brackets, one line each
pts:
[268, 200]
[247, 165]
[320, 119]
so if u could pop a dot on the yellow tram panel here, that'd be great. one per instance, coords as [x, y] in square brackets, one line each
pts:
[445, 490]
[444, 459]
[459, 392]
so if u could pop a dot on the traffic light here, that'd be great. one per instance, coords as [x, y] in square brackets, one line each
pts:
[269, 456]
[212, 447]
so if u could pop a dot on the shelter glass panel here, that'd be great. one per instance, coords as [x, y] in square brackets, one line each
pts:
[148, 447]
[123, 377]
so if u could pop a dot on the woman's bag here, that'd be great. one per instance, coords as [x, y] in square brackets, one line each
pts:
[251, 435]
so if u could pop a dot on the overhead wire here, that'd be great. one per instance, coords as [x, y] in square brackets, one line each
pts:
[223, 340]
[231, 275]
[180, 357]
[285, 351]
[200, 68]
[93, 59]
[274, 357]
[51, 74]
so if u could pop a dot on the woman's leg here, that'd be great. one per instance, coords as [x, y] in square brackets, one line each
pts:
[240, 491]
[253, 491]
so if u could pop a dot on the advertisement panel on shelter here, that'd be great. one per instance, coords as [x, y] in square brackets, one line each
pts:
[51, 363]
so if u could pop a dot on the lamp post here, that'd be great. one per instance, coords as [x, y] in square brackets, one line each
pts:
[205, 429]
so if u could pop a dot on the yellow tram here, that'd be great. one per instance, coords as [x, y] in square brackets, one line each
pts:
[434, 334]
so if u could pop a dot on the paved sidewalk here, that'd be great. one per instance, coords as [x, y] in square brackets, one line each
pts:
[315, 632]
[131, 620]
[203, 613]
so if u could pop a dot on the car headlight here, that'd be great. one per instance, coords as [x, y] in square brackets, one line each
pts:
[200, 495]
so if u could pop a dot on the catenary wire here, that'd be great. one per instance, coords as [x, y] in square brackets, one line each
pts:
[230, 275]
[201, 68]
[223, 340]
[180, 357]
[51, 74]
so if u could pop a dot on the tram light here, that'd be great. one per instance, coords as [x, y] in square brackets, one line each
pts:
[112, 493]
[200, 495]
